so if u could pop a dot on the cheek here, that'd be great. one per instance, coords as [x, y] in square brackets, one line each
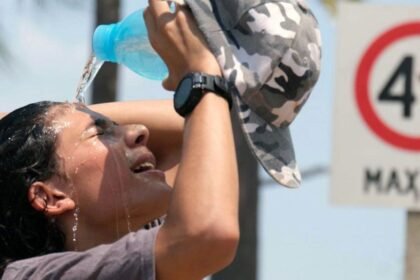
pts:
[102, 182]
[88, 170]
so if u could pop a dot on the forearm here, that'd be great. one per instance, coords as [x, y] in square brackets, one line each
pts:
[207, 177]
[201, 230]
[153, 113]
[204, 205]
[157, 115]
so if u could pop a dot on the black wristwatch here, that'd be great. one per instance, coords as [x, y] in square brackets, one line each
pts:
[192, 88]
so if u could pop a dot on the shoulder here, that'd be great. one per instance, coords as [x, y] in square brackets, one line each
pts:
[128, 258]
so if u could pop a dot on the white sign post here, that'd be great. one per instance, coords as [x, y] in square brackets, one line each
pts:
[376, 146]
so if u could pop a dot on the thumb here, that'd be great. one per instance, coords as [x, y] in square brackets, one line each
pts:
[171, 82]
[168, 84]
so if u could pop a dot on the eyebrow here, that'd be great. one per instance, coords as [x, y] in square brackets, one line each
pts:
[98, 122]
[101, 122]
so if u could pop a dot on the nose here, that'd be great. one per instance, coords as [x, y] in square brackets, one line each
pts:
[136, 135]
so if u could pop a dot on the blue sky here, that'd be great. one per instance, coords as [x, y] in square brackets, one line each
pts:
[301, 235]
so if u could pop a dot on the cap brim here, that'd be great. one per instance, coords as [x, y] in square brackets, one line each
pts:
[272, 146]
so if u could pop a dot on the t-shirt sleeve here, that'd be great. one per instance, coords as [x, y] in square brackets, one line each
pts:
[131, 257]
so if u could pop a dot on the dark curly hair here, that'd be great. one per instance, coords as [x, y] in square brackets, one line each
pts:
[27, 155]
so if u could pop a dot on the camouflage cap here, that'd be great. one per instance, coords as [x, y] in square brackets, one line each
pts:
[270, 51]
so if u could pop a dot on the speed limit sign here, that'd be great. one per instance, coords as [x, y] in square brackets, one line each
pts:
[404, 96]
[376, 138]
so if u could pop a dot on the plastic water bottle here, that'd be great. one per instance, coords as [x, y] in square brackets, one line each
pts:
[127, 43]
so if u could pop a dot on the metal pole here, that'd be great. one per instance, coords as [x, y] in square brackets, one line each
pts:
[412, 258]
[105, 84]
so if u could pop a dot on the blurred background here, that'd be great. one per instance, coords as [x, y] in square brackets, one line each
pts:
[286, 234]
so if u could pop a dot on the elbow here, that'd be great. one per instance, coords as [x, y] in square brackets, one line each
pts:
[227, 246]
[204, 249]
[219, 245]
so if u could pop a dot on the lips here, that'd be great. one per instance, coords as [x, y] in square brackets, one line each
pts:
[144, 163]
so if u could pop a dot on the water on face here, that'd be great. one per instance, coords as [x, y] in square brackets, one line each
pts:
[90, 71]
[124, 198]
[117, 190]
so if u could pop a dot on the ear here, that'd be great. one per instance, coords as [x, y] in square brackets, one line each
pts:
[46, 198]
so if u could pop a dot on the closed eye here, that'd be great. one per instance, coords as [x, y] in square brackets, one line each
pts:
[100, 131]
[104, 126]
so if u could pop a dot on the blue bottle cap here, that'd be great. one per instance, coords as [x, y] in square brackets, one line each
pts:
[103, 45]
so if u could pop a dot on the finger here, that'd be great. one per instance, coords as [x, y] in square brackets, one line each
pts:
[169, 83]
[184, 17]
[178, 2]
[166, 84]
[158, 8]
[148, 20]
[180, 6]
[186, 21]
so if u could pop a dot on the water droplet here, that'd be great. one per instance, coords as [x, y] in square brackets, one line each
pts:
[90, 71]
[75, 226]
[124, 198]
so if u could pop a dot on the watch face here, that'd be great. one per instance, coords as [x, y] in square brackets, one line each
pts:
[183, 92]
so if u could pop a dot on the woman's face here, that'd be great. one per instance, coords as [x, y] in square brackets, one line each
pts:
[108, 169]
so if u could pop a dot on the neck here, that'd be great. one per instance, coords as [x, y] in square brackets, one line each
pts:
[87, 236]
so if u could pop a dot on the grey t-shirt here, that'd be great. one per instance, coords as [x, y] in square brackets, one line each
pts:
[131, 257]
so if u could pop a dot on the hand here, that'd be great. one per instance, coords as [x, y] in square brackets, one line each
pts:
[177, 39]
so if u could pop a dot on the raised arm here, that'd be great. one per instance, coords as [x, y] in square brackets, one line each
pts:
[201, 231]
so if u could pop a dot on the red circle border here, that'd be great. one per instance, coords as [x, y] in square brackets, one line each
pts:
[364, 69]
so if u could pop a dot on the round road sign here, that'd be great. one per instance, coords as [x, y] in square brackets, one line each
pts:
[362, 92]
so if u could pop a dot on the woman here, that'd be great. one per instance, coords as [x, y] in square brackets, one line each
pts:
[72, 179]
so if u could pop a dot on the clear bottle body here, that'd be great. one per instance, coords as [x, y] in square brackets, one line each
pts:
[127, 43]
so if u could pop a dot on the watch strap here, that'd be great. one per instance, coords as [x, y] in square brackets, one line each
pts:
[200, 83]
[217, 85]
